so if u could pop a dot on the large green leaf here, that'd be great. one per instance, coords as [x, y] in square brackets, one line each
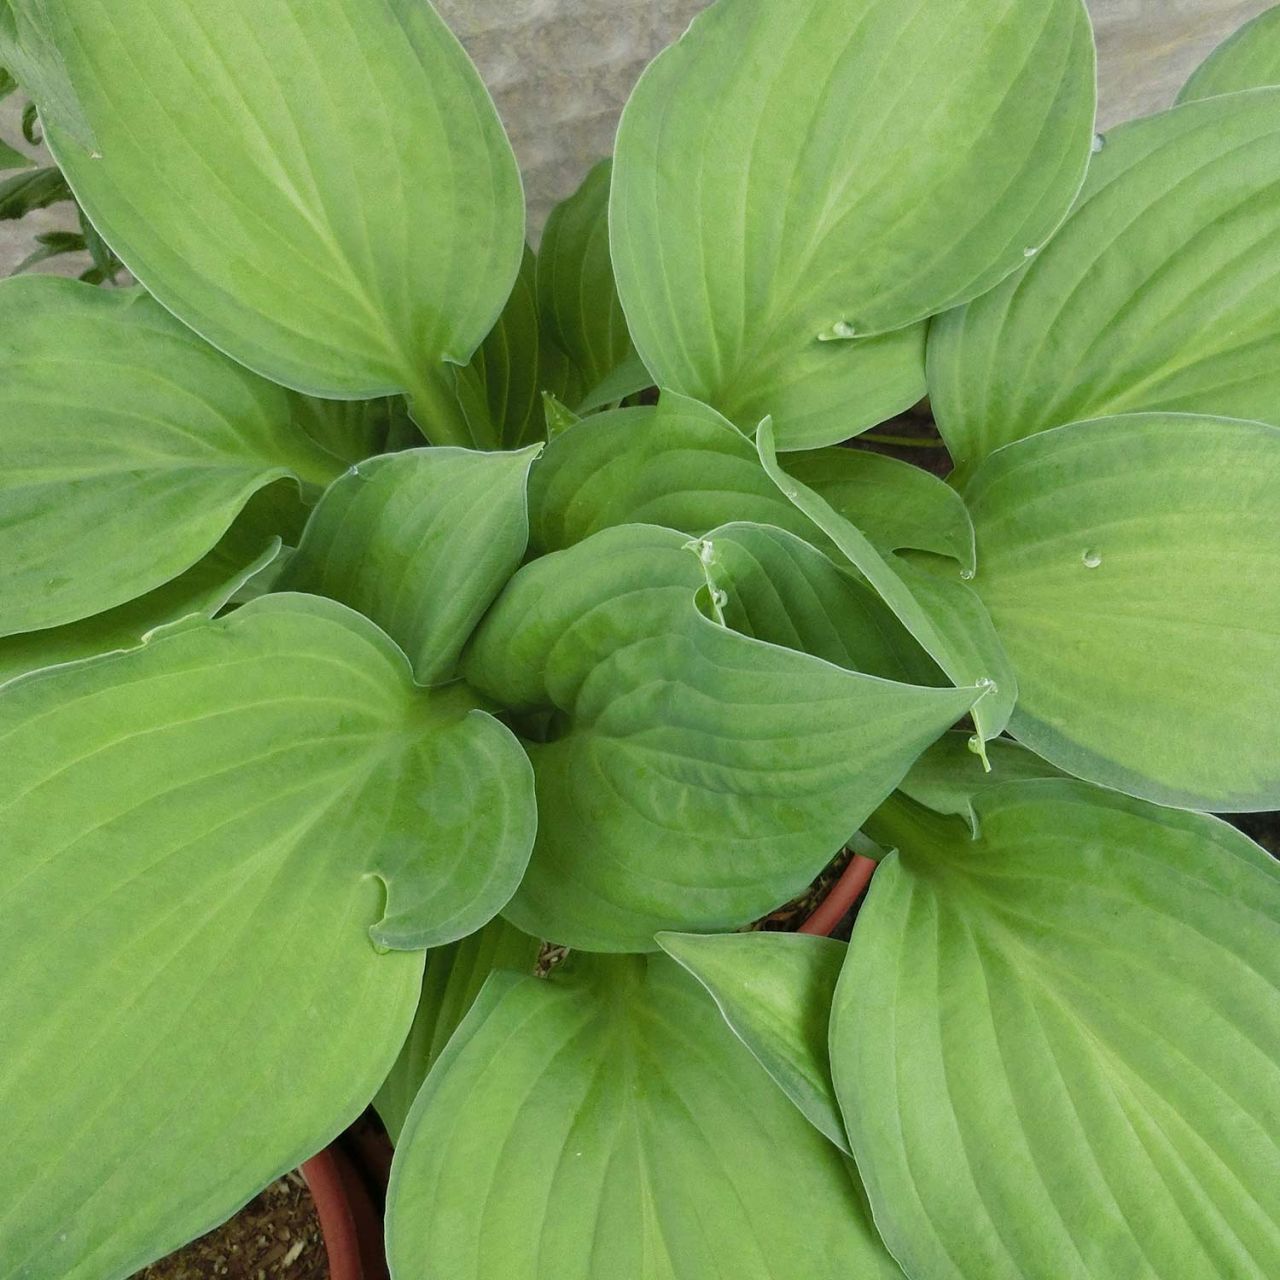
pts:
[454, 977]
[775, 992]
[421, 542]
[654, 1147]
[1157, 294]
[792, 179]
[690, 777]
[577, 297]
[204, 839]
[210, 583]
[682, 465]
[937, 608]
[319, 187]
[353, 430]
[127, 448]
[1057, 1048]
[1247, 59]
[1130, 567]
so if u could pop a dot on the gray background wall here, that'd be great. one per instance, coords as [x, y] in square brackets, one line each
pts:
[560, 71]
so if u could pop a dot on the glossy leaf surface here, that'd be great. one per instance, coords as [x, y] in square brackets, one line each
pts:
[115, 483]
[1129, 565]
[319, 187]
[783, 191]
[1159, 292]
[421, 542]
[1068, 1066]
[660, 1149]
[204, 839]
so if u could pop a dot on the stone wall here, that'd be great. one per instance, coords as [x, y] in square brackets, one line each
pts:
[561, 70]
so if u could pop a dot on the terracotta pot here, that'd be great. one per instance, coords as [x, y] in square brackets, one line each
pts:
[348, 1182]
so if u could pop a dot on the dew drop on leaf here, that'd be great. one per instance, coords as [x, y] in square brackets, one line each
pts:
[1091, 558]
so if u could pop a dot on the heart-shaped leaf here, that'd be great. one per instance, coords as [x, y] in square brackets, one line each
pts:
[1056, 1047]
[319, 187]
[775, 992]
[421, 542]
[1130, 567]
[114, 484]
[658, 1147]
[1247, 59]
[203, 840]
[1158, 293]
[691, 777]
[454, 977]
[791, 180]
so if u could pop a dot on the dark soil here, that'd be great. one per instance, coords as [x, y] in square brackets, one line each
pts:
[276, 1236]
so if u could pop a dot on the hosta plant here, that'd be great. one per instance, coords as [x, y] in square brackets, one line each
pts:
[383, 600]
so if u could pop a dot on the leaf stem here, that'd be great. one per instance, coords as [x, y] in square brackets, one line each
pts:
[841, 898]
[900, 442]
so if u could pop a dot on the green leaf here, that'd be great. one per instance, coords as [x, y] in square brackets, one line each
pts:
[115, 483]
[30, 190]
[791, 180]
[898, 505]
[320, 188]
[577, 297]
[1157, 294]
[941, 612]
[12, 158]
[658, 1148]
[691, 777]
[204, 838]
[1056, 1047]
[421, 542]
[455, 974]
[948, 776]
[51, 244]
[353, 430]
[628, 379]
[682, 465]
[244, 551]
[775, 992]
[29, 50]
[678, 464]
[1129, 565]
[1247, 59]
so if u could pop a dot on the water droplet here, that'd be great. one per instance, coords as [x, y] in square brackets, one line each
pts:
[707, 552]
[1031, 251]
[1091, 558]
[967, 574]
[841, 331]
[975, 745]
[1098, 143]
[719, 599]
[986, 684]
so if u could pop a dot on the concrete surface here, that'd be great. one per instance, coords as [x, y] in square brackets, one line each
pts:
[561, 70]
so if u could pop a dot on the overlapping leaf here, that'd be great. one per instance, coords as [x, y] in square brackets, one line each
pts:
[1130, 567]
[421, 542]
[792, 180]
[200, 838]
[1056, 1047]
[775, 992]
[1159, 292]
[658, 1148]
[691, 776]
[319, 187]
[115, 482]
[454, 977]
